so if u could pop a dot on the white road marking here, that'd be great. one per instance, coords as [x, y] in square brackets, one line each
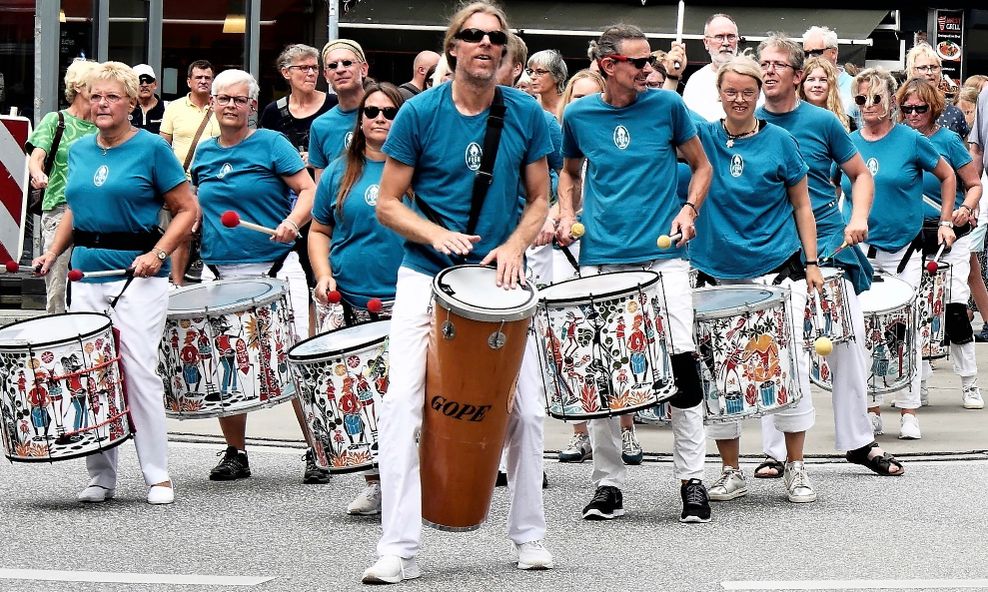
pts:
[48, 575]
[857, 585]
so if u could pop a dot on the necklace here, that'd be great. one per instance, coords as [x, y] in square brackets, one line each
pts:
[933, 129]
[106, 149]
[731, 137]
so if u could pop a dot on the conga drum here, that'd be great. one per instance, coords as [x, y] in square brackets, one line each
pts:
[476, 347]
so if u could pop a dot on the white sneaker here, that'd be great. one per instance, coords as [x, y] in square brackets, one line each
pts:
[876, 423]
[798, 485]
[532, 555]
[972, 398]
[909, 427]
[160, 495]
[391, 569]
[924, 394]
[95, 494]
[730, 485]
[367, 502]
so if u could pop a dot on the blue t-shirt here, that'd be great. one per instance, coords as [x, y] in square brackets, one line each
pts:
[246, 178]
[746, 227]
[950, 146]
[364, 254]
[629, 198]
[330, 135]
[445, 147]
[897, 162]
[119, 191]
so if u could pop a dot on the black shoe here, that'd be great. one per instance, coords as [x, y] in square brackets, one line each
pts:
[233, 466]
[696, 504]
[313, 474]
[606, 504]
[982, 335]
[502, 479]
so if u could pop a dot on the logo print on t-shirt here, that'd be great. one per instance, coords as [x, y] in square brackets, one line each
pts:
[621, 137]
[472, 156]
[101, 174]
[347, 140]
[370, 196]
[224, 170]
[737, 165]
[873, 165]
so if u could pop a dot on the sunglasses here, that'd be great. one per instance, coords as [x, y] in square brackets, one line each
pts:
[477, 35]
[813, 53]
[389, 112]
[344, 63]
[909, 109]
[639, 63]
[145, 79]
[862, 100]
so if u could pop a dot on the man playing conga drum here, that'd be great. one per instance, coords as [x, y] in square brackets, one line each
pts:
[433, 146]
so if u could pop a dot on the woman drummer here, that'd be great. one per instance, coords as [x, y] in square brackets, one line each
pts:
[351, 252]
[921, 105]
[252, 171]
[118, 181]
[756, 217]
[897, 157]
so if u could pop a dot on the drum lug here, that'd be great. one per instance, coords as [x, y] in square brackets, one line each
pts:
[449, 331]
[497, 340]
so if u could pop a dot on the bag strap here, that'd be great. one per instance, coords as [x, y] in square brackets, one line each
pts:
[485, 175]
[50, 157]
[282, 105]
[195, 139]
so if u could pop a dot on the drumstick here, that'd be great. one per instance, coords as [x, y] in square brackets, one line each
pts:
[934, 265]
[333, 297]
[842, 246]
[231, 219]
[14, 267]
[75, 275]
[577, 230]
[375, 306]
[679, 32]
[665, 241]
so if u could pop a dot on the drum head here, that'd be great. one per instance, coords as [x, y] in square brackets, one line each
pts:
[726, 301]
[599, 286]
[341, 341]
[53, 329]
[224, 296]
[886, 293]
[471, 292]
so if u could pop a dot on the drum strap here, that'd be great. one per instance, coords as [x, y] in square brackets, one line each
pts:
[916, 245]
[704, 279]
[792, 269]
[117, 241]
[568, 254]
[276, 265]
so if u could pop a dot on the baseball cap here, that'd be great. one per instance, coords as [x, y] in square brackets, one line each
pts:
[144, 70]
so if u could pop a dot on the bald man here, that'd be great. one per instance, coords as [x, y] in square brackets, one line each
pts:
[424, 62]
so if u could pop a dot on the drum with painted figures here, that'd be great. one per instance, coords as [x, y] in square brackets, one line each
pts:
[934, 294]
[828, 315]
[335, 315]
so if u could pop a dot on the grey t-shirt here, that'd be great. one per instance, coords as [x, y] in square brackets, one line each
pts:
[979, 135]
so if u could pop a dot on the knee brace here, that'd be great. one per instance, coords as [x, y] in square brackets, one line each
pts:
[687, 376]
[958, 326]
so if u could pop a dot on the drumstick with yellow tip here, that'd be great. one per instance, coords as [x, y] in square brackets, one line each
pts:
[842, 246]
[577, 230]
[823, 346]
[665, 241]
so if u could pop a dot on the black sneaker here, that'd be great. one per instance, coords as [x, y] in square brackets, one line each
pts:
[696, 504]
[313, 474]
[233, 466]
[982, 335]
[606, 504]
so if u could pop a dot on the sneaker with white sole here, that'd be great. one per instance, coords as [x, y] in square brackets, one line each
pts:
[798, 486]
[367, 502]
[607, 504]
[909, 427]
[531, 555]
[578, 449]
[876, 423]
[972, 398]
[696, 502]
[95, 494]
[631, 449]
[730, 485]
[391, 569]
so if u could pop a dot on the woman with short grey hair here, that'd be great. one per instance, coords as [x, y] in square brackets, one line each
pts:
[549, 74]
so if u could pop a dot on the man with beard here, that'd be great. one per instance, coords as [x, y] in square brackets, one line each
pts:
[720, 38]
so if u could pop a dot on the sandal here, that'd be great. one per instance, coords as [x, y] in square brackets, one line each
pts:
[881, 464]
[770, 464]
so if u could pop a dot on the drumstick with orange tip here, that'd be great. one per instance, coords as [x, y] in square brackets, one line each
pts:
[665, 241]
[231, 219]
[75, 275]
[933, 266]
[14, 267]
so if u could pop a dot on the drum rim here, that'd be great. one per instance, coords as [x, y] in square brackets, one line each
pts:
[480, 313]
[22, 343]
[336, 352]
[602, 296]
[782, 293]
[911, 302]
[226, 308]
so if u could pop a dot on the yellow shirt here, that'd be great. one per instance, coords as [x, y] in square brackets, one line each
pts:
[182, 120]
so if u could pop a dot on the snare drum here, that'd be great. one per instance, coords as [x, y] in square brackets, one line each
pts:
[225, 348]
[604, 345]
[747, 351]
[478, 341]
[63, 394]
[934, 294]
[340, 377]
[829, 315]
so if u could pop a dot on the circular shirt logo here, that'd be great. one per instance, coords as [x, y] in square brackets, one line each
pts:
[622, 138]
[873, 165]
[224, 170]
[737, 165]
[370, 196]
[472, 156]
[101, 174]
[347, 140]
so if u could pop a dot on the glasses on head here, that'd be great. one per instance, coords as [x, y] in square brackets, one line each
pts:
[777, 66]
[862, 100]
[477, 35]
[746, 94]
[729, 38]
[910, 109]
[639, 63]
[344, 63]
[532, 73]
[306, 68]
[110, 98]
[227, 99]
[929, 68]
[388, 112]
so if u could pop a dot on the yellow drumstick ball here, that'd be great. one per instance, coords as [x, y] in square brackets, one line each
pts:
[664, 242]
[823, 346]
[577, 230]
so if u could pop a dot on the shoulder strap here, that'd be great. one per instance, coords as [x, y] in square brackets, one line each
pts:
[195, 139]
[282, 105]
[485, 176]
[59, 130]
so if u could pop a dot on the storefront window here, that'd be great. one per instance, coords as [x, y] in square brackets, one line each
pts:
[284, 22]
[128, 32]
[76, 38]
[17, 57]
[195, 30]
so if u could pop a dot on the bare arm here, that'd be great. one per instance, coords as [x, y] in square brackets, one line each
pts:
[799, 197]
[948, 188]
[862, 196]
[320, 241]
[978, 154]
[182, 203]
[301, 183]
[676, 54]
[570, 197]
[692, 152]
[167, 137]
[972, 195]
[62, 241]
[36, 167]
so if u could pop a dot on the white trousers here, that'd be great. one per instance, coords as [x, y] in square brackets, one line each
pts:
[802, 415]
[140, 318]
[400, 418]
[688, 439]
[849, 364]
[961, 355]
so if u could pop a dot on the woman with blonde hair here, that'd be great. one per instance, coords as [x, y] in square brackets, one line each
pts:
[923, 62]
[820, 88]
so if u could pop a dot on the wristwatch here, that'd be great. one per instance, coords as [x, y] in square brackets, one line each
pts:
[946, 223]
[160, 253]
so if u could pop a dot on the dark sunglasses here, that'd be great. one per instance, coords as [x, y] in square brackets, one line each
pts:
[145, 79]
[813, 53]
[477, 35]
[909, 109]
[389, 112]
[863, 100]
[639, 63]
[344, 63]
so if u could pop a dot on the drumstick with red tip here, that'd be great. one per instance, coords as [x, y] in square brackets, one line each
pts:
[14, 267]
[665, 241]
[75, 275]
[375, 306]
[333, 297]
[231, 219]
[934, 265]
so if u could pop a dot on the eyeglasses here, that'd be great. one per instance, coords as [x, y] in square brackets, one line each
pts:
[769, 66]
[929, 68]
[344, 63]
[389, 112]
[307, 68]
[731, 38]
[862, 100]
[111, 98]
[910, 109]
[813, 53]
[477, 35]
[639, 63]
[536, 72]
[226, 100]
[144, 79]
[747, 94]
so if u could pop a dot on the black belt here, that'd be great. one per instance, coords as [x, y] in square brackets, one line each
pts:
[117, 241]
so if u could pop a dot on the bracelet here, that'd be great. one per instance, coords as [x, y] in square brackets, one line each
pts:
[292, 223]
[946, 224]
[812, 262]
[969, 209]
[696, 212]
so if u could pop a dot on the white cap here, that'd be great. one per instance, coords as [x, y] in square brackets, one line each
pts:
[144, 70]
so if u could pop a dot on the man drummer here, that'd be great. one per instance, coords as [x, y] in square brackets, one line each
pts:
[630, 136]
[427, 147]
